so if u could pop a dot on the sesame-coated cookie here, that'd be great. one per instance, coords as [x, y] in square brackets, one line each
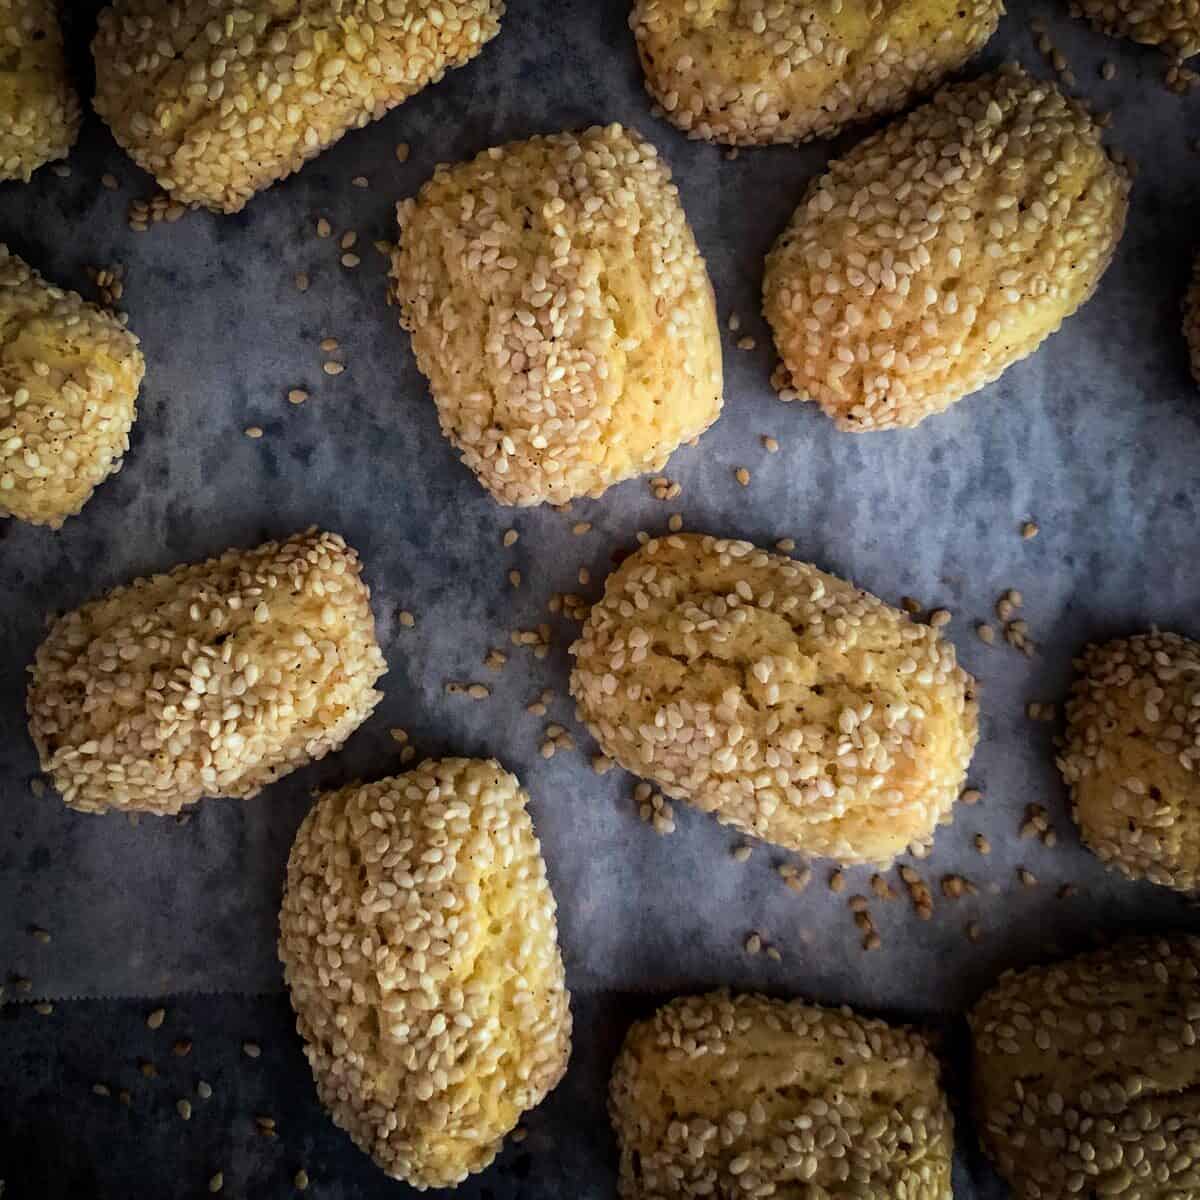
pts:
[213, 679]
[562, 313]
[69, 379]
[1191, 320]
[938, 252]
[1087, 1074]
[743, 1096]
[788, 702]
[219, 99]
[419, 942]
[1131, 756]
[39, 110]
[1172, 24]
[747, 72]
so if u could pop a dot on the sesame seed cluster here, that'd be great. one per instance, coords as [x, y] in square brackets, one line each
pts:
[69, 379]
[39, 110]
[761, 71]
[1172, 24]
[213, 679]
[419, 942]
[1086, 1073]
[562, 313]
[219, 99]
[787, 702]
[1191, 320]
[943, 249]
[745, 1096]
[1131, 756]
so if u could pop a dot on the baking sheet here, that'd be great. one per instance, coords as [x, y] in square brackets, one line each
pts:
[1097, 438]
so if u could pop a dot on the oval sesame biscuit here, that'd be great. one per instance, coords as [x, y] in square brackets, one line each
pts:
[214, 679]
[69, 379]
[1172, 24]
[1191, 320]
[938, 252]
[741, 1095]
[562, 313]
[1131, 756]
[1087, 1073]
[787, 702]
[219, 99]
[748, 72]
[39, 110]
[419, 943]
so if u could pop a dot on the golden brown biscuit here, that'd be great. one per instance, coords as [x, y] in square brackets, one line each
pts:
[562, 313]
[787, 702]
[1132, 756]
[219, 99]
[732, 1096]
[69, 379]
[1087, 1074]
[419, 942]
[1172, 24]
[940, 251]
[748, 72]
[214, 679]
[39, 110]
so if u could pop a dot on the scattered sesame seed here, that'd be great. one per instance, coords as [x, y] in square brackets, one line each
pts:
[581, 527]
[301, 1177]
[302, 281]
[514, 577]
[675, 522]
[217, 1182]
[510, 537]
[1108, 70]
[735, 322]
[986, 633]
[971, 796]
[333, 368]
[148, 1069]
[746, 343]
[251, 1049]
[39, 935]
[479, 691]
[1030, 530]
[872, 941]
[982, 844]
[742, 476]
[182, 1049]
[742, 853]
[297, 396]
[602, 764]
[770, 445]
[45, 1008]
[407, 619]
[974, 931]
[156, 1018]
[348, 240]
[402, 151]
[837, 881]
[254, 431]
[1027, 878]
[324, 229]
[940, 617]
[37, 787]
[204, 1090]
[109, 181]
[350, 261]
[101, 1089]
[184, 1108]
[124, 1097]
[329, 344]
[753, 943]
[785, 545]
[360, 181]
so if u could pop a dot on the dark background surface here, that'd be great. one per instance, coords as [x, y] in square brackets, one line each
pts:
[1097, 436]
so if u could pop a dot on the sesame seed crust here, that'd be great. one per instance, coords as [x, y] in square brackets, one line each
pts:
[741, 1095]
[419, 942]
[1191, 320]
[1172, 24]
[214, 679]
[39, 110]
[1086, 1073]
[766, 71]
[218, 99]
[1131, 756]
[943, 249]
[69, 379]
[792, 705]
[562, 313]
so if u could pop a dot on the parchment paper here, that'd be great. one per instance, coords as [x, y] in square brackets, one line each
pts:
[1097, 438]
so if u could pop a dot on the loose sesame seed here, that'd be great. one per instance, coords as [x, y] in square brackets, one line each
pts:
[324, 229]
[184, 1108]
[770, 445]
[109, 181]
[350, 261]
[940, 617]
[753, 943]
[253, 431]
[785, 545]
[746, 343]
[251, 1049]
[837, 881]
[742, 476]
[44, 1008]
[333, 368]
[300, 1179]
[982, 844]
[986, 633]
[510, 537]
[297, 396]
[407, 619]
[217, 1182]
[302, 281]
[204, 1090]
[156, 1018]
[101, 1089]
[360, 181]
[971, 796]
[402, 151]
[1029, 530]
[742, 853]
